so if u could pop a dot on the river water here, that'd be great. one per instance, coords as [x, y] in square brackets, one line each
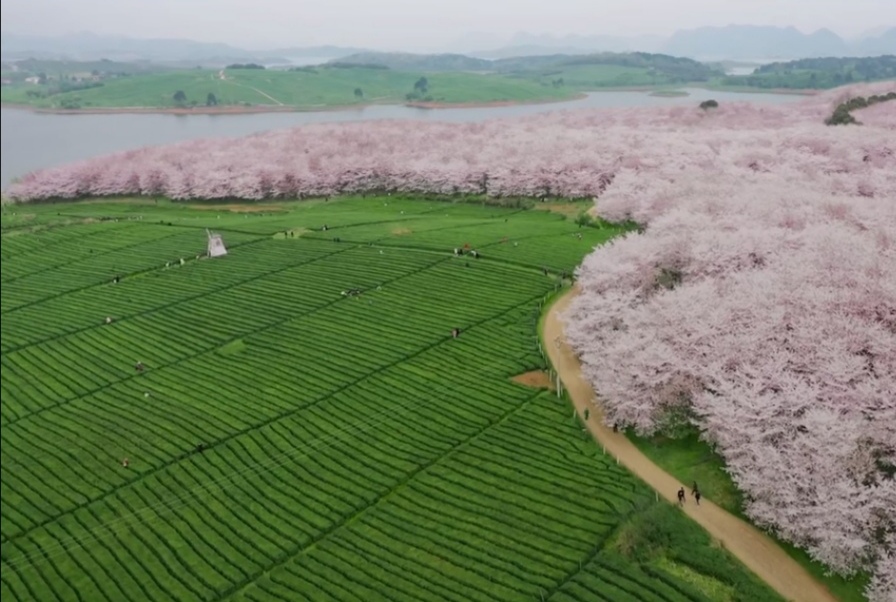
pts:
[32, 141]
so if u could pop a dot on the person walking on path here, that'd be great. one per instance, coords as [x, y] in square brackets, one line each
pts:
[697, 496]
[681, 497]
[695, 490]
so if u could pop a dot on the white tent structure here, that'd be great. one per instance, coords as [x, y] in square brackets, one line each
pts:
[215, 245]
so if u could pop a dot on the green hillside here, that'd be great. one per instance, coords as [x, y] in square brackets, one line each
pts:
[305, 88]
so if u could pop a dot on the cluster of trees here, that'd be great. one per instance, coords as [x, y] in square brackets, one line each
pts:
[821, 73]
[756, 303]
[669, 68]
[421, 91]
[404, 61]
[348, 65]
[61, 87]
[842, 115]
[677, 69]
[180, 99]
[245, 66]
[869, 68]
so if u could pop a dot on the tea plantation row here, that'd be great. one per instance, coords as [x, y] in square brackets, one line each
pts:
[286, 441]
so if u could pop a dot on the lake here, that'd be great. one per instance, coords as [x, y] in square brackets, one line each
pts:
[32, 141]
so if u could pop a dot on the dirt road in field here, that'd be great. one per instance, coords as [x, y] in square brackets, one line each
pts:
[754, 548]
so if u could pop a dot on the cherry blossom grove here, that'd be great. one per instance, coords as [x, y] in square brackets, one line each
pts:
[759, 304]
[758, 301]
[571, 154]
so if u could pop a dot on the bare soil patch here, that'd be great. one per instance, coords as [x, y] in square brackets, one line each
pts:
[537, 379]
[566, 209]
[401, 231]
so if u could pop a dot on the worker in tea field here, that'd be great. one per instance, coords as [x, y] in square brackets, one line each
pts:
[125, 462]
[139, 367]
[455, 332]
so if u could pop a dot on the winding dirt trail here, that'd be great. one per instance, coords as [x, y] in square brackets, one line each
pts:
[754, 548]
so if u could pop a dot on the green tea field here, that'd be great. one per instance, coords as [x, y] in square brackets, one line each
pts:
[311, 88]
[296, 421]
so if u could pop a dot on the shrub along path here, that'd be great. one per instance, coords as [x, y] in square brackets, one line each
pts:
[750, 545]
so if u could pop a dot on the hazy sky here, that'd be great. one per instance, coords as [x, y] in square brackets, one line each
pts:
[422, 24]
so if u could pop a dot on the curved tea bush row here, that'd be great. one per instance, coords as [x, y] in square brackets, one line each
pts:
[353, 448]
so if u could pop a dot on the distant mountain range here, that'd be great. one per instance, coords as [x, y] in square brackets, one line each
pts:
[88, 46]
[527, 44]
[91, 47]
[734, 42]
[752, 42]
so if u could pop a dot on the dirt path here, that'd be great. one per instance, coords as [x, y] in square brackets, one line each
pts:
[754, 548]
[230, 81]
[266, 95]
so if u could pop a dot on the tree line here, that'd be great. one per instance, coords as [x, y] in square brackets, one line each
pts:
[842, 115]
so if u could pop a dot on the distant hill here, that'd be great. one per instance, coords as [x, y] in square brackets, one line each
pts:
[529, 50]
[684, 69]
[92, 47]
[527, 44]
[743, 42]
[592, 43]
[405, 61]
[102, 66]
[818, 73]
[329, 52]
[88, 46]
[680, 69]
[759, 42]
[883, 43]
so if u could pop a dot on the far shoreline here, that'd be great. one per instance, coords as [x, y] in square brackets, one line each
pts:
[254, 109]
[260, 109]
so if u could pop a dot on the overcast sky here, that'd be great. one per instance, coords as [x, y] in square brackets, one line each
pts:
[422, 24]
